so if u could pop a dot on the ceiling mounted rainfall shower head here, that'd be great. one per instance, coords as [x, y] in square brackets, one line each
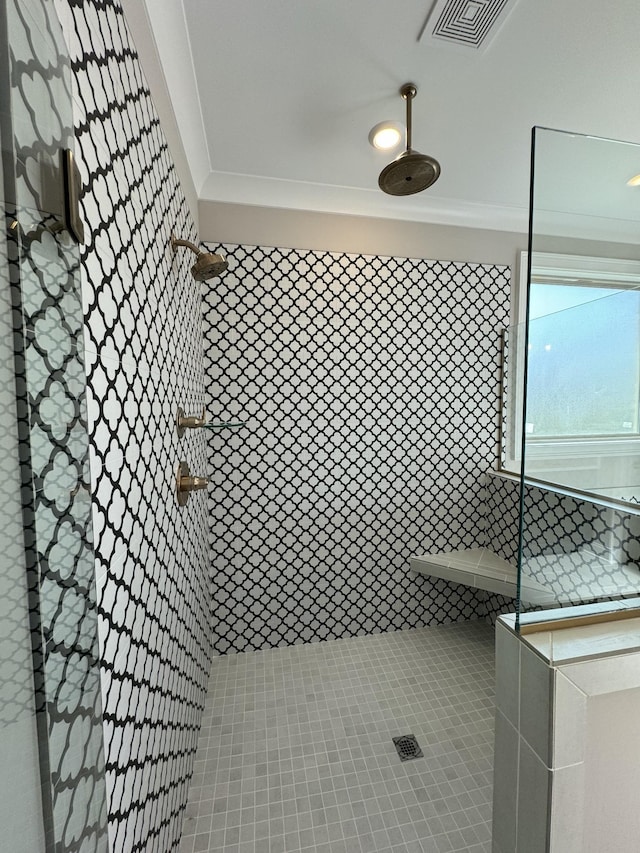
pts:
[411, 172]
[208, 265]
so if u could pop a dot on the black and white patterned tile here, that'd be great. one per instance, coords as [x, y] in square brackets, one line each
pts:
[143, 338]
[502, 513]
[582, 551]
[53, 442]
[579, 550]
[21, 708]
[370, 390]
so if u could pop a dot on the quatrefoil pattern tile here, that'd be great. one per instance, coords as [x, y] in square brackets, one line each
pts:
[52, 432]
[16, 679]
[502, 513]
[369, 387]
[143, 337]
[599, 539]
[602, 543]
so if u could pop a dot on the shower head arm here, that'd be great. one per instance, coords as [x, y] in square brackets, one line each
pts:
[175, 243]
[408, 92]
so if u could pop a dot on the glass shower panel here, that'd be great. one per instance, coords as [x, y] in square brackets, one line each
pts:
[582, 393]
[21, 807]
[49, 456]
[580, 430]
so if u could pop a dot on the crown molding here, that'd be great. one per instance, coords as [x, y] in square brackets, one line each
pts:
[254, 190]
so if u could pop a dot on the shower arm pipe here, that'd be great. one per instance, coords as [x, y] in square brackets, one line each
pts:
[175, 242]
[408, 92]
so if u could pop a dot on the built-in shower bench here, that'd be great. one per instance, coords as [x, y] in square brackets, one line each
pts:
[561, 578]
[480, 568]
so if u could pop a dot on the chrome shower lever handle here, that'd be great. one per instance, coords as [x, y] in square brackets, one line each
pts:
[184, 422]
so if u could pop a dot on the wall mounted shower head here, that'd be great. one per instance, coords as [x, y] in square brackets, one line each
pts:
[207, 265]
[411, 172]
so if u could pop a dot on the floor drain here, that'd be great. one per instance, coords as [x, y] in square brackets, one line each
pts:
[407, 747]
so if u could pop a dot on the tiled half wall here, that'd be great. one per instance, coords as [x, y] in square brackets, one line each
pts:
[370, 391]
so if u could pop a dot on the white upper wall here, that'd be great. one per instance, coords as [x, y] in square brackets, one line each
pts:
[160, 34]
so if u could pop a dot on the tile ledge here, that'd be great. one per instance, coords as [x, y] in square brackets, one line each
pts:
[583, 636]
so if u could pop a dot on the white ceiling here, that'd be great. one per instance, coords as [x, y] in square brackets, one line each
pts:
[275, 99]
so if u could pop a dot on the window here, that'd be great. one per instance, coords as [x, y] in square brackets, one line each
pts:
[583, 361]
[583, 376]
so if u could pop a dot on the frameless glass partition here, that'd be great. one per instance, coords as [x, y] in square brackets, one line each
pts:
[578, 365]
[52, 785]
[581, 427]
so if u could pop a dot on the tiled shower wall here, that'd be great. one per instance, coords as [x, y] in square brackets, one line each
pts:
[557, 523]
[143, 338]
[370, 389]
[53, 793]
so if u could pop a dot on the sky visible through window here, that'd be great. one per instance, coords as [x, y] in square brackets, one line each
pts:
[584, 357]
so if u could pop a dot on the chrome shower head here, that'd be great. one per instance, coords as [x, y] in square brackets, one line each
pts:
[207, 265]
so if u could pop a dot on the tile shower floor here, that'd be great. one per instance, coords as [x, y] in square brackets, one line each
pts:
[296, 750]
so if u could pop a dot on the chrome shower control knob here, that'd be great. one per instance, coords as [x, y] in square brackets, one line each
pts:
[185, 483]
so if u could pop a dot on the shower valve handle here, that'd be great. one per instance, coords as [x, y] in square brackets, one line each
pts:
[186, 483]
[192, 484]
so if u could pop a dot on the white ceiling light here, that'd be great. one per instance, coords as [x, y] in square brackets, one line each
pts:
[386, 135]
[634, 181]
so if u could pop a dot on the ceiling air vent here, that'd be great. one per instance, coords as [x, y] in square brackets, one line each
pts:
[470, 23]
